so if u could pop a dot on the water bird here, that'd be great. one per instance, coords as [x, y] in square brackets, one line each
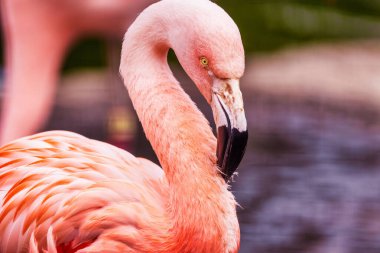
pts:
[62, 192]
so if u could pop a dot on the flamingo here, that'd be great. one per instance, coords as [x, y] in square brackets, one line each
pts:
[37, 35]
[62, 192]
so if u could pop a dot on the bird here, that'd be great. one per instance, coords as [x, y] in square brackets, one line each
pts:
[63, 192]
[37, 36]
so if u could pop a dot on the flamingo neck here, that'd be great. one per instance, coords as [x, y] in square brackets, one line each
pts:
[179, 133]
[199, 205]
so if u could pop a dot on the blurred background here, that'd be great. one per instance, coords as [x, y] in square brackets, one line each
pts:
[310, 179]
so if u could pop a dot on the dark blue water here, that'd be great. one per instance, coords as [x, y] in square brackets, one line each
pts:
[310, 181]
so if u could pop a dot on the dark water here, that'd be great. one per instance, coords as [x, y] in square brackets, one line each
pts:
[310, 179]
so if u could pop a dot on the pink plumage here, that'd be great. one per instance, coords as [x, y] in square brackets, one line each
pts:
[75, 185]
[62, 192]
[38, 35]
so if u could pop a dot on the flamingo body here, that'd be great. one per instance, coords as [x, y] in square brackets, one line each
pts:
[76, 186]
[61, 192]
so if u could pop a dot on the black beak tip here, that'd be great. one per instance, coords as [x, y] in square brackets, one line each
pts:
[230, 150]
[238, 147]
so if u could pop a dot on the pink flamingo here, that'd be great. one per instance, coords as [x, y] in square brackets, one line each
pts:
[37, 34]
[62, 192]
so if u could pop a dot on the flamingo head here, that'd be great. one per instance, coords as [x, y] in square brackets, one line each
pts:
[208, 45]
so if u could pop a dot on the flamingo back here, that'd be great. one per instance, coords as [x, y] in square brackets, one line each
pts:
[62, 185]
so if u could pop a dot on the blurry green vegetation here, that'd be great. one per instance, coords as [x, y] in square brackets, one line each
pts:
[89, 53]
[268, 25]
[272, 24]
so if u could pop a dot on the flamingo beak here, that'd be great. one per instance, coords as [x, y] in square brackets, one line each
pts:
[231, 124]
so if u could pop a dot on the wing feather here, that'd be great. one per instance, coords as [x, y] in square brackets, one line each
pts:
[59, 187]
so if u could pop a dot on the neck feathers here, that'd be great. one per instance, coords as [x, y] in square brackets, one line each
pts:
[178, 131]
[200, 207]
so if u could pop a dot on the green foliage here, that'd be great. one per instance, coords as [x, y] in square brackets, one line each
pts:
[271, 24]
[89, 53]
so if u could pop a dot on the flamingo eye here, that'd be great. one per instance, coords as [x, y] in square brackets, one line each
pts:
[204, 62]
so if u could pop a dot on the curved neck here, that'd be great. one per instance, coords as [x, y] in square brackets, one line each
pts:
[182, 139]
[179, 133]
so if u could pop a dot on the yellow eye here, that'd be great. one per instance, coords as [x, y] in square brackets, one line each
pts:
[204, 61]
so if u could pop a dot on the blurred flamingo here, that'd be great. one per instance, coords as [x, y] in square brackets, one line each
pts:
[62, 192]
[37, 36]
